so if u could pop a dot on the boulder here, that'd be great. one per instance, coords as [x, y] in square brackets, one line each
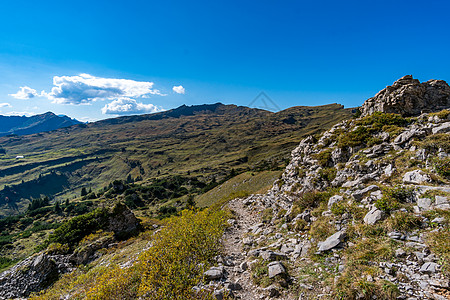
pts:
[408, 97]
[332, 241]
[416, 177]
[122, 221]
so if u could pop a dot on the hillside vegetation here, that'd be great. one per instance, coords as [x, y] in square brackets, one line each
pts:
[202, 141]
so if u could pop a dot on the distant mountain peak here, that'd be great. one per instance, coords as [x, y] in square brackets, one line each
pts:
[38, 123]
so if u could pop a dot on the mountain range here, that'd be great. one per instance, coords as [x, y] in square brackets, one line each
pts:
[22, 125]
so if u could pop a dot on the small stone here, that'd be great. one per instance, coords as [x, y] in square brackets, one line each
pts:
[400, 252]
[389, 170]
[334, 199]
[247, 241]
[396, 235]
[440, 220]
[270, 255]
[276, 268]
[214, 273]
[429, 267]
[416, 177]
[233, 286]
[272, 291]
[373, 216]
[424, 203]
[332, 241]
[243, 266]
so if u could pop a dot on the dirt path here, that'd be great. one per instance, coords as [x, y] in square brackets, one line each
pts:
[245, 218]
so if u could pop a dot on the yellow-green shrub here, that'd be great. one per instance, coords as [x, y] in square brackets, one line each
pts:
[180, 254]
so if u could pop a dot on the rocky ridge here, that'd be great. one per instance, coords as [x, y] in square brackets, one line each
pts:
[361, 212]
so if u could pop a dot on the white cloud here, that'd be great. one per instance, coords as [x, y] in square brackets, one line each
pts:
[19, 113]
[179, 89]
[25, 93]
[128, 106]
[5, 105]
[85, 88]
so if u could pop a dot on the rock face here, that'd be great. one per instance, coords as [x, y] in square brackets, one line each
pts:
[32, 275]
[408, 97]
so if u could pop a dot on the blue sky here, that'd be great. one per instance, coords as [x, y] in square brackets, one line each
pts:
[98, 59]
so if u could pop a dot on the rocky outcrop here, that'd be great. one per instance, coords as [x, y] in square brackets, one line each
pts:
[408, 97]
[378, 195]
[32, 275]
[122, 221]
[40, 271]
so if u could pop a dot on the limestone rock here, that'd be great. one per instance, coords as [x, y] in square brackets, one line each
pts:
[424, 203]
[32, 275]
[247, 241]
[276, 268]
[332, 241]
[429, 267]
[334, 199]
[373, 216]
[408, 97]
[270, 255]
[416, 177]
[357, 195]
[214, 273]
[122, 221]
[442, 128]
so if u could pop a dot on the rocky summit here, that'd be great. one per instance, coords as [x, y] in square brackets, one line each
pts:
[408, 97]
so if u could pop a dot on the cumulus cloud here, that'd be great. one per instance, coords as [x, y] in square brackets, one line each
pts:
[25, 93]
[128, 106]
[179, 89]
[85, 88]
[5, 105]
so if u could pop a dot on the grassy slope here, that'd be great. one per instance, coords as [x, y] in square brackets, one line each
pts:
[244, 184]
[204, 143]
